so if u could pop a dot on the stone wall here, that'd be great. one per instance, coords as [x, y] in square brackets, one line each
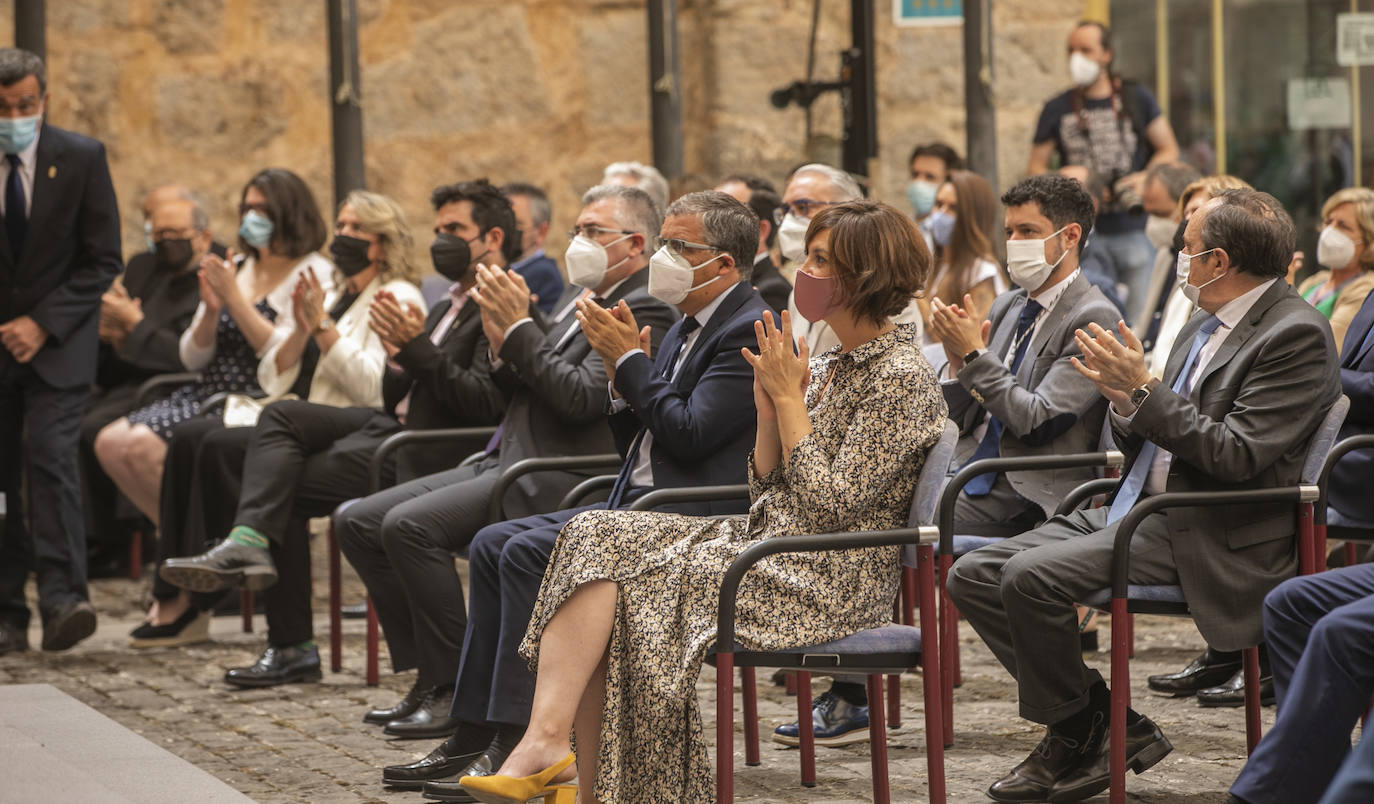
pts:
[208, 91]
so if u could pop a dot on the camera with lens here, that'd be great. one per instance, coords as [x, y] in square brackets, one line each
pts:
[1125, 192]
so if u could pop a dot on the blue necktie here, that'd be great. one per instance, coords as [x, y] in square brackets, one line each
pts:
[622, 482]
[16, 217]
[989, 447]
[1134, 483]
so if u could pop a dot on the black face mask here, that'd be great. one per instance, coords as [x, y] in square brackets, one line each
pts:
[350, 254]
[173, 254]
[452, 256]
[1178, 236]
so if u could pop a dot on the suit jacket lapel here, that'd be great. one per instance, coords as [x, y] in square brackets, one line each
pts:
[1356, 334]
[1239, 335]
[1005, 330]
[1048, 330]
[46, 170]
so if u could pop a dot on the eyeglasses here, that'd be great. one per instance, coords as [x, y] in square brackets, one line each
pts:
[172, 234]
[677, 246]
[590, 230]
[802, 208]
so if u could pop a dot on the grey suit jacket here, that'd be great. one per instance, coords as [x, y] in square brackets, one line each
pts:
[1246, 423]
[1047, 407]
[558, 393]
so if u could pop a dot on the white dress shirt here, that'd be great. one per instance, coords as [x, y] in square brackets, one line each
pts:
[28, 159]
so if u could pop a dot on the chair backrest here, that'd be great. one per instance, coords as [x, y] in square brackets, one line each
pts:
[934, 474]
[1323, 439]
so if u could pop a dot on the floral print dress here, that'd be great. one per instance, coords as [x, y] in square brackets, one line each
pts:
[873, 423]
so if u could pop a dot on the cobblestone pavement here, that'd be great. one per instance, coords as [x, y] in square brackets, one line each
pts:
[306, 743]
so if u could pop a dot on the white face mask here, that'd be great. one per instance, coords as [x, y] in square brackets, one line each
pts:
[1026, 262]
[587, 261]
[1183, 266]
[792, 237]
[1335, 249]
[1160, 231]
[1083, 71]
[670, 276]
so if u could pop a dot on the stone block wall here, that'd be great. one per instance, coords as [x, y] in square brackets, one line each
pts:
[209, 91]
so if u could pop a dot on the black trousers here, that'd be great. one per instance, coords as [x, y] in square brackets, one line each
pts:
[100, 494]
[40, 439]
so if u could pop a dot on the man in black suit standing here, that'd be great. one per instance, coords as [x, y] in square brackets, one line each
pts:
[59, 250]
[762, 198]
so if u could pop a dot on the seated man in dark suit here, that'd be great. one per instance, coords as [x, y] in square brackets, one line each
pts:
[762, 198]
[682, 416]
[402, 540]
[305, 459]
[1320, 628]
[533, 214]
[1247, 384]
[141, 321]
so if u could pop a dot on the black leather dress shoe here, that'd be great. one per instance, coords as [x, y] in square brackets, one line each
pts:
[1145, 745]
[438, 764]
[429, 720]
[405, 708]
[1207, 670]
[13, 639]
[485, 765]
[1053, 759]
[1232, 693]
[224, 566]
[279, 664]
[68, 624]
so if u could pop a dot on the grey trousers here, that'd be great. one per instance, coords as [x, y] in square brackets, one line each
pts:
[1001, 513]
[1018, 595]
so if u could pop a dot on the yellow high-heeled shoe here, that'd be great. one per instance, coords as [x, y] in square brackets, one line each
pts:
[518, 790]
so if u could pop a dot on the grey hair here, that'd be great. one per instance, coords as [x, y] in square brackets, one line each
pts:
[200, 220]
[634, 209]
[541, 211]
[647, 178]
[725, 223]
[1253, 229]
[17, 64]
[1175, 176]
[838, 179]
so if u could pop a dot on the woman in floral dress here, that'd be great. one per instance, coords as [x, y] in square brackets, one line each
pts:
[627, 610]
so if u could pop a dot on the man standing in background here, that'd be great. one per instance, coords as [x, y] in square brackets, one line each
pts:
[533, 213]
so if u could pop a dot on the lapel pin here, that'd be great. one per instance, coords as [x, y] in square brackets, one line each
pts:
[52, 171]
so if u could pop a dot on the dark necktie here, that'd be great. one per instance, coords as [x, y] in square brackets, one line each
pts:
[1134, 484]
[622, 482]
[16, 217]
[990, 447]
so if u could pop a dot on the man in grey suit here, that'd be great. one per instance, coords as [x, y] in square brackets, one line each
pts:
[1009, 382]
[402, 540]
[1248, 382]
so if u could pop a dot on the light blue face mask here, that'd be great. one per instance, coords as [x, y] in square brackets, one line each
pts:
[148, 235]
[941, 225]
[921, 195]
[18, 133]
[256, 229]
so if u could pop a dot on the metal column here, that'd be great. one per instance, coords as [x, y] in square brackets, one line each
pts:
[980, 118]
[665, 88]
[30, 27]
[345, 99]
[859, 94]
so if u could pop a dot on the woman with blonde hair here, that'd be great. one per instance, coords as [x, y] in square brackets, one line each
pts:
[963, 226]
[1344, 253]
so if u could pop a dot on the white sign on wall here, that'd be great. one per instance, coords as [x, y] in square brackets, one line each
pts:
[1318, 103]
[1354, 39]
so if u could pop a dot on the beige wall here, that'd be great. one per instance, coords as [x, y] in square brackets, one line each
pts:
[208, 91]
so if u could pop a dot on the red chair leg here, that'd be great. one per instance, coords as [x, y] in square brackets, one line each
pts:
[1307, 542]
[372, 674]
[136, 555]
[806, 729]
[894, 701]
[246, 610]
[335, 602]
[751, 716]
[947, 637]
[908, 596]
[877, 736]
[1252, 699]
[790, 683]
[1351, 556]
[932, 691]
[725, 728]
[1130, 634]
[1121, 685]
[1319, 546]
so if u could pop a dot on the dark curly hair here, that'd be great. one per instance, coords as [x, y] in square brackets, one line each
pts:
[1060, 198]
[490, 208]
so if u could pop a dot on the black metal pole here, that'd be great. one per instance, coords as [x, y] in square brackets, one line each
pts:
[980, 118]
[665, 88]
[858, 95]
[345, 98]
[30, 27]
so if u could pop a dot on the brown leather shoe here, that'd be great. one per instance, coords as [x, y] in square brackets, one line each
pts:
[1145, 746]
[1055, 758]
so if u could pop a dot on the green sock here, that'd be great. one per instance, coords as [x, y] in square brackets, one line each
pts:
[246, 536]
[307, 645]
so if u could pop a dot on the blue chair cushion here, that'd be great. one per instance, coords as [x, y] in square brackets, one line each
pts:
[967, 544]
[1102, 598]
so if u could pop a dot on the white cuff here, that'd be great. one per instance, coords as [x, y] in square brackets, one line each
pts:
[512, 327]
[626, 356]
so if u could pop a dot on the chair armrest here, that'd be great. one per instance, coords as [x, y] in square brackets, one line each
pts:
[1121, 547]
[809, 543]
[1338, 451]
[657, 497]
[517, 470]
[1082, 493]
[582, 490]
[1110, 459]
[409, 438]
[473, 458]
[149, 386]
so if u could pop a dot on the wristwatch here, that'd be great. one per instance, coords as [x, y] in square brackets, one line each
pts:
[324, 326]
[972, 356]
[1139, 395]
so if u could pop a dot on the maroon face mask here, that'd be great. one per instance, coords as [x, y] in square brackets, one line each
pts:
[818, 296]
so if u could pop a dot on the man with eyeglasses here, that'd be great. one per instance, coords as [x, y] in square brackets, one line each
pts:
[682, 416]
[59, 250]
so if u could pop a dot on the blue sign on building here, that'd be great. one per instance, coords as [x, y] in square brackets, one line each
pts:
[928, 12]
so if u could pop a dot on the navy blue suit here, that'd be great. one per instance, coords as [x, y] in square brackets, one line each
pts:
[543, 279]
[1349, 494]
[702, 420]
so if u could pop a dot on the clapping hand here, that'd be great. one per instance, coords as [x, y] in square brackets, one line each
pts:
[959, 332]
[1115, 367]
[504, 298]
[394, 324]
[780, 374]
[612, 332]
[218, 275]
[307, 302]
